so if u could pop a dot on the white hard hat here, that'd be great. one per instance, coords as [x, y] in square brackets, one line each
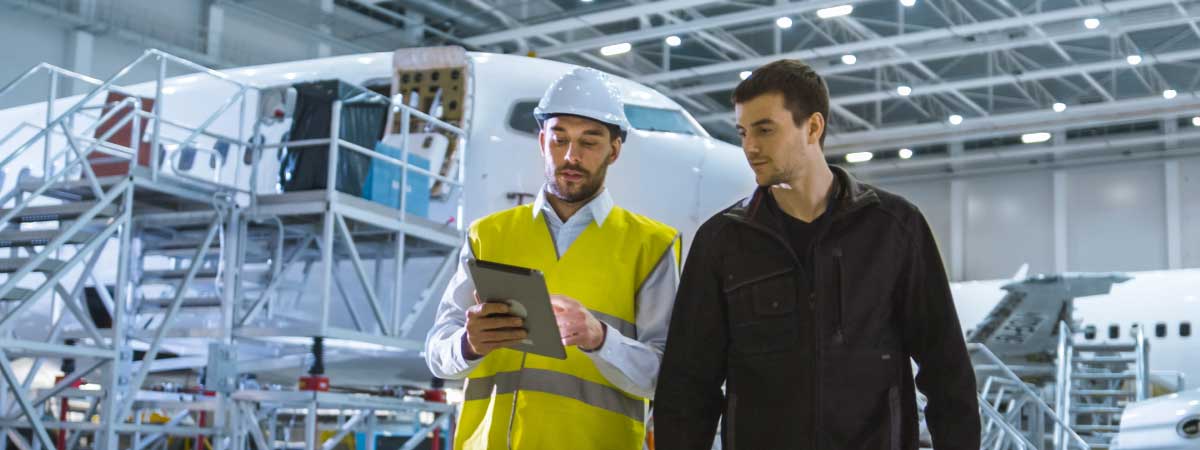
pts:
[584, 92]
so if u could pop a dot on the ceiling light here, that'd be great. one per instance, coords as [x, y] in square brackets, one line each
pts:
[674, 41]
[1133, 60]
[1169, 94]
[1091, 23]
[849, 59]
[585, 1]
[783, 22]
[903, 91]
[744, 75]
[905, 153]
[1196, 121]
[859, 157]
[908, 3]
[1060, 107]
[1034, 138]
[955, 119]
[836, 11]
[616, 49]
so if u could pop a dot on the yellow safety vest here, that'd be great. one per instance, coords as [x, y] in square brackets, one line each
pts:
[563, 403]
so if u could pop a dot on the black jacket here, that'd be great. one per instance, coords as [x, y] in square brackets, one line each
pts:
[816, 357]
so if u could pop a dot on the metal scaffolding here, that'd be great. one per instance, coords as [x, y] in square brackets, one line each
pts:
[204, 263]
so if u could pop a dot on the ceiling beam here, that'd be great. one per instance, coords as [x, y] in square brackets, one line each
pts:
[585, 20]
[975, 83]
[768, 13]
[952, 32]
[1025, 152]
[1150, 107]
[1128, 24]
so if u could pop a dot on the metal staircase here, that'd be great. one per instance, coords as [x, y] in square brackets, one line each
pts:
[1097, 380]
[1014, 412]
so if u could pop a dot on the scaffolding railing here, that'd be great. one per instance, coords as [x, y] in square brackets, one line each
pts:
[1008, 393]
[123, 399]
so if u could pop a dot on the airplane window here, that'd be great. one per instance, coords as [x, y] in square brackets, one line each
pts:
[658, 119]
[521, 117]
[1160, 330]
[1089, 332]
[1114, 331]
[1185, 329]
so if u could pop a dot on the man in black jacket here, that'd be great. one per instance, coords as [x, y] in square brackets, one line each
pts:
[807, 301]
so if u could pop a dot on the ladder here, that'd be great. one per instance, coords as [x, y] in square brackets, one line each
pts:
[1097, 380]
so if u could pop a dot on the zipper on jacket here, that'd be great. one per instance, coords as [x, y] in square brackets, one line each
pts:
[839, 336]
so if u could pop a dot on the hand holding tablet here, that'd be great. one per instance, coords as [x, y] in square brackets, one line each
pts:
[514, 312]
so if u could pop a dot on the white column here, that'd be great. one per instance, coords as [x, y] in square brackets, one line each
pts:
[414, 30]
[80, 49]
[1060, 221]
[1171, 174]
[216, 28]
[958, 226]
[324, 50]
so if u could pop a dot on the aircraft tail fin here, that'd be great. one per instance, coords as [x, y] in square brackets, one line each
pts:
[1022, 273]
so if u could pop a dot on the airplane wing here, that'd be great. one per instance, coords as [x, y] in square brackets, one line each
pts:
[1026, 319]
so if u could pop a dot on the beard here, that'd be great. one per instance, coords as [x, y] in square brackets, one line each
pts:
[575, 192]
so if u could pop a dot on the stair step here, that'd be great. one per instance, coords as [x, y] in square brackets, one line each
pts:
[11, 265]
[176, 274]
[1103, 376]
[188, 302]
[1115, 348]
[65, 211]
[1101, 393]
[1097, 428]
[16, 295]
[1106, 359]
[1097, 409]
[19, 238]
[203, 275]
[182, 252]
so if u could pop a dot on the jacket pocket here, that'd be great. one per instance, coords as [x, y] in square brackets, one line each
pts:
[860, 400]
[762, 313]
[839, 334]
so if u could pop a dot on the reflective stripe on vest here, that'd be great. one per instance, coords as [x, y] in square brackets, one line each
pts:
[557, 383]
[627, 329]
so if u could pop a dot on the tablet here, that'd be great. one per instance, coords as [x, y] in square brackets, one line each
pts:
[524, 290]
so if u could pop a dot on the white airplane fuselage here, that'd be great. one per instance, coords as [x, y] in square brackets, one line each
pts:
[680, 179]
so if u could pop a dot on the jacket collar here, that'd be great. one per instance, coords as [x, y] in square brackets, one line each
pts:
[848, 195]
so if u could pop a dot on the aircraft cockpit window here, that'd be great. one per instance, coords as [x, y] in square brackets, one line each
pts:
[1089, 332]
[658, 119]
[1160, 330]
[1114, 331]
[521, 117]
[1185, 329]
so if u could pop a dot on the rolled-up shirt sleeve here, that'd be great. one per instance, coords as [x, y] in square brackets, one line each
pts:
[443, 344]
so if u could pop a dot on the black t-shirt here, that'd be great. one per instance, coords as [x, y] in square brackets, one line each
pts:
[800, 234]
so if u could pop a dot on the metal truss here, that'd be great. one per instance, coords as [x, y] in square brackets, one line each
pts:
[985, 61]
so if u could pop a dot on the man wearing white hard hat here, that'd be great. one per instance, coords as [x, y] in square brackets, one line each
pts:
[611, 274]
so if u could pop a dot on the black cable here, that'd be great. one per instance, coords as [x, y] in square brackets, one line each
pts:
[512, 415]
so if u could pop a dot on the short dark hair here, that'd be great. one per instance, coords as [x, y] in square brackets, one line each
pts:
[804, 92]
